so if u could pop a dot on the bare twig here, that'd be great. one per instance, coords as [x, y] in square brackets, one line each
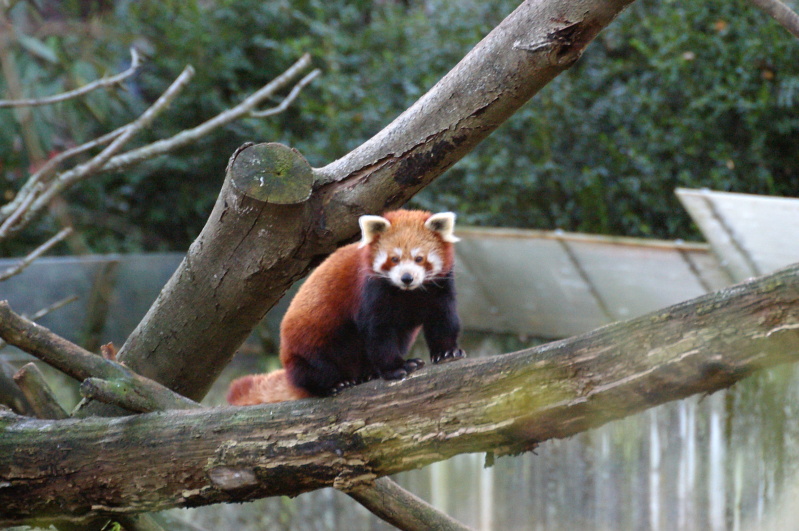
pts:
[780, 12]
[135, 63]
[192, 135]
[53, 307]
[70, 177]
[288, 99]
[25, 262]
[23, 204]
[28, 192]
[25, 209]
[33, 385]
[81, 364]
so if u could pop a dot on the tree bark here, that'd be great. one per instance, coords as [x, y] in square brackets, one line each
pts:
[239, 268]
[94, 371]
[504, 405]
[395, 505]
[242, 262]
[780, 12]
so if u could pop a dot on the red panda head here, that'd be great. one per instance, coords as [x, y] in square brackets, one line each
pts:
[409, 247]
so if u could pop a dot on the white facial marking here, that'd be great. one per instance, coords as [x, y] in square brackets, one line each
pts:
[436, 263]
[380, 259]
[412, 272]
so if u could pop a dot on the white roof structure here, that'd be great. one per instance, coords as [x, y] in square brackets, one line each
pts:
[558, 284]
[751, 234]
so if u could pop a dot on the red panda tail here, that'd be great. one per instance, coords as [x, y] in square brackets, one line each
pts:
[263, 389]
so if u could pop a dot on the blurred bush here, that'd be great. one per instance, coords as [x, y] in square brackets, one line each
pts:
[672, 94]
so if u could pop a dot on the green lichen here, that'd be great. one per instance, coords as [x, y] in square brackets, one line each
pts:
[272, 173]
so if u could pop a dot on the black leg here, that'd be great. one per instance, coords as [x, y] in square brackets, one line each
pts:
[317, 375]
[441, 330]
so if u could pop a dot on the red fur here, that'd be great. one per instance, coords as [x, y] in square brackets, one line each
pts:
[328, 301]
[263, 389]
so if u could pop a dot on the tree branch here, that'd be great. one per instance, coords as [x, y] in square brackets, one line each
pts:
[395, 505]
[505, 404]
[31, 381]
[10, 393]
[780, 12]
[82, 364]
[135, 63]
[190, 136]
[90, 168]
[24, 209]
[302, 83]
[44, 311]
[233, 278]
[29, 259]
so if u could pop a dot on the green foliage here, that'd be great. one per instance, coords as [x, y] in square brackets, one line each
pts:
[672, 94]
[376, 60]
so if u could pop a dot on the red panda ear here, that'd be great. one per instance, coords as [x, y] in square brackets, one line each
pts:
[444, 224]
[371, 227]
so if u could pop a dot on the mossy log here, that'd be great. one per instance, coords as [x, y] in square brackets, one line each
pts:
[504, 405]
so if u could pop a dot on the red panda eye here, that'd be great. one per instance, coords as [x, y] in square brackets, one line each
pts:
[418, 259]
[395, 260]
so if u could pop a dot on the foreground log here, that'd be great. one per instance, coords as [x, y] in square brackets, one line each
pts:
[504, 405]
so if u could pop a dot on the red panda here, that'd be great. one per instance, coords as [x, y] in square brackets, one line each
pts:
[358, 313]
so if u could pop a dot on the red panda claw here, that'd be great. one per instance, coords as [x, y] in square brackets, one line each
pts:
[343, 385]
[450, 355]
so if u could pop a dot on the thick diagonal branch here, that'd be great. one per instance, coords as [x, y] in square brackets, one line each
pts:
[254, 248]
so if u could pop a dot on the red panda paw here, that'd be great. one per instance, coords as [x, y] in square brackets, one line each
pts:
[367, 378]
[346, 384]
[412, 365]
[450, 355]
[397, 374]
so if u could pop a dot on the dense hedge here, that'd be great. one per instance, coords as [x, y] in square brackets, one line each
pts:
[702, 94]
[672, 94]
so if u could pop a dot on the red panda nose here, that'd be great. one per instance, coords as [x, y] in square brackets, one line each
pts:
[406, 278]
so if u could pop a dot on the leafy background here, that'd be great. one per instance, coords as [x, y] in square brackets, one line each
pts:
[698, 94]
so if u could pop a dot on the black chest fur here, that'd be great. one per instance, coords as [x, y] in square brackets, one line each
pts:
[377, 338]
[385, 305]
